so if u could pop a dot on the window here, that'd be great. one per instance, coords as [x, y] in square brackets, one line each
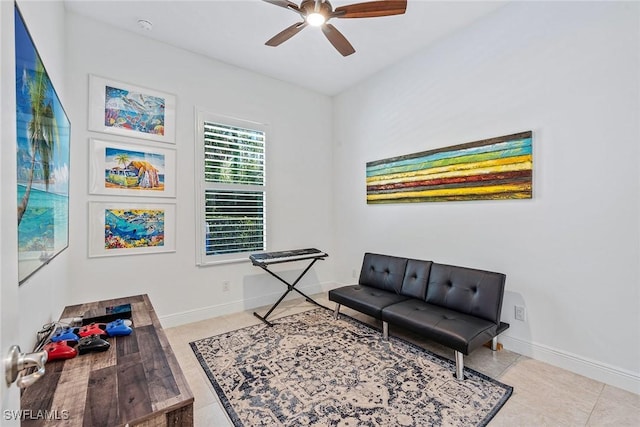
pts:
[232, 203]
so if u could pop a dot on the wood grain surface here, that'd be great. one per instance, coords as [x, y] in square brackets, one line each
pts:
[137, 382]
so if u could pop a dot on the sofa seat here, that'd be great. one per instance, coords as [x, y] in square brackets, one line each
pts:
[455, 306]
[459, 331]
[365, 299]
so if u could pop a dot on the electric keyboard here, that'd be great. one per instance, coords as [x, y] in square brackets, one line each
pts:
[286, 256]
[265, 259]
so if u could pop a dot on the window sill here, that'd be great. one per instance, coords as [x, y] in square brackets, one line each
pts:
[211, 263]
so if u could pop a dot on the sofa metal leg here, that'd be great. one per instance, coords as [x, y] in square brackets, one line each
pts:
[459, 365]
[385, 331]
[336, 311]
[494, 343]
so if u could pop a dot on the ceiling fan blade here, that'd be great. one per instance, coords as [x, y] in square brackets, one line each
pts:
[371, 9]
[286, 34]
[284, 3]
[338, 40]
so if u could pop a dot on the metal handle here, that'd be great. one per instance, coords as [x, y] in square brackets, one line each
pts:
[16, 362]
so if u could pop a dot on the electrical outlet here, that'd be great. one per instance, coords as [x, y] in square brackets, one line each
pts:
[225, 286]
[520, 313]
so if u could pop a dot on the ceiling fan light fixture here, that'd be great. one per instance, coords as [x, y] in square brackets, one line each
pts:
[316, 19]
[318, 12]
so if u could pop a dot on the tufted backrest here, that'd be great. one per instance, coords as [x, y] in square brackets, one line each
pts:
[475, 292]
[416, 277]
[382, 272]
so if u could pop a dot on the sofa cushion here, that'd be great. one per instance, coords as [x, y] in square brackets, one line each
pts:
[415, 279]
[365, 299]
[461, 332]
[382, 272]
[466, 290]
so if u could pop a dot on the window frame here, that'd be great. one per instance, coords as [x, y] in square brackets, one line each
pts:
[202, 116]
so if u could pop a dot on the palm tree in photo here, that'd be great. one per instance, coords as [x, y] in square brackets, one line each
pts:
[122, 159]
[42, 130]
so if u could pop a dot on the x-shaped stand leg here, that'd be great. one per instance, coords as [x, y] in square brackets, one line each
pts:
[290, 287]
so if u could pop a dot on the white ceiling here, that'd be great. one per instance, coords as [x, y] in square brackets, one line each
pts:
[234, 31]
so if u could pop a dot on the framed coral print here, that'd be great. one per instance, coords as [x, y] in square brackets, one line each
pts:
[124, 109]
[43, 137]
[120, 228]
[127, 169]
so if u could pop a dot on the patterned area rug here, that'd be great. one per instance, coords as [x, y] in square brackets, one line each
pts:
[310, 369]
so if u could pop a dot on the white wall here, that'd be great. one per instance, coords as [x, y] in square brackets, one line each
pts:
[298, 167]
[25, 309]
[9, 396]
[568, 72]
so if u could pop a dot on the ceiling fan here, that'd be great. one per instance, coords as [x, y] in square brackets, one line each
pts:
[318, 12]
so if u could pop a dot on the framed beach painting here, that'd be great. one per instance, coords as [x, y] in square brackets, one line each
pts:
[127, 110]
[131, 169]
[43, 136]
[118, 228]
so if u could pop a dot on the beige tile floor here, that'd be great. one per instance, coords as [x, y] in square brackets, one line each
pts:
[543, 394]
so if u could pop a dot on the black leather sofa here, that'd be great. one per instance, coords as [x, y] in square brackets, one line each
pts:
[457, 307]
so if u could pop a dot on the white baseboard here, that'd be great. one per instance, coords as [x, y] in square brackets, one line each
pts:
[593, 369]
[203, 313]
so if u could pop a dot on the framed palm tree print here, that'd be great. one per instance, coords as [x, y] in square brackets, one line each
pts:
[43, 135]
[126, 169]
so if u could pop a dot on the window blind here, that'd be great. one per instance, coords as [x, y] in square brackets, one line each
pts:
[233, 155]
[234, 189]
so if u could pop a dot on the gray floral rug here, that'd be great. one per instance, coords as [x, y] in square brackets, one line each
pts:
[310, 369]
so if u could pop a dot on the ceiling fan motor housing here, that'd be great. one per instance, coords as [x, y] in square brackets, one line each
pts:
[308, 6]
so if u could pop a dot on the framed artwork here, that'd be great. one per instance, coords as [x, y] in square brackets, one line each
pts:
[123, 109]
[119, 228]
[131, 169]
[492, 169]
[43, 136]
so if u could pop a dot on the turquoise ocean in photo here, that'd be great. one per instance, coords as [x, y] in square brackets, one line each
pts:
[45, 222]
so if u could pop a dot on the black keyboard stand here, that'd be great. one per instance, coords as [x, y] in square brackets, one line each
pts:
[290, 286]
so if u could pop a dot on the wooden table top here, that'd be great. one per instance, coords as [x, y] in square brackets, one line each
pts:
[132, 382]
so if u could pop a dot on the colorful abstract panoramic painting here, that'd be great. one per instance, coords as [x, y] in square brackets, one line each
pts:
[43, 132]
[491, 169]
